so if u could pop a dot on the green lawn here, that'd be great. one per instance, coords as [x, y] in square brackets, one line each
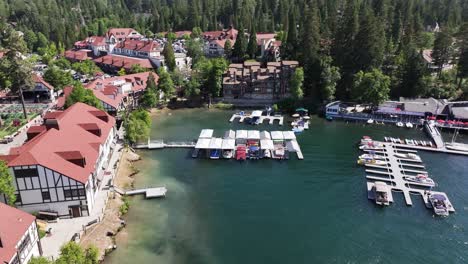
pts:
[7, 127]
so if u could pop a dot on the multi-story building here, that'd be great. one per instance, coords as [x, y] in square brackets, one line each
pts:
[59, 168]
[19, 237]
[117, 92]
[215, 41]
[251, 81]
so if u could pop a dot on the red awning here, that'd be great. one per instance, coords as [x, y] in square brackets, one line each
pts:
[451, 122]
[432, 118]
[440, 121]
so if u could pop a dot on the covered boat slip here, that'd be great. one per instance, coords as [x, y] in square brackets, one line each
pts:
[253, 134]
[215, 143]
[206, 133]
[203, 143]
[230, 134]
[228, 144]
[277, 135]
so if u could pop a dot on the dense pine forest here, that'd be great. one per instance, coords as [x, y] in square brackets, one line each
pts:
[345, 46]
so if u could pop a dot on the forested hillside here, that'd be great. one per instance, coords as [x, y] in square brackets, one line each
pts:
[343, 45]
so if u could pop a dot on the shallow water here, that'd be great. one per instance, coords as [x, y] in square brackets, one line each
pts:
[310, 211]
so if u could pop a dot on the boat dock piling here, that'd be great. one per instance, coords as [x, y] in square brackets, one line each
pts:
[262, 118]
[394, 173]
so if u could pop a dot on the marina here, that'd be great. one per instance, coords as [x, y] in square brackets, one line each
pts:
[256, 118]
[247, 144]
[400, 174]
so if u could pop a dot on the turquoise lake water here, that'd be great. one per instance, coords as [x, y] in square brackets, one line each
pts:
[310, 211]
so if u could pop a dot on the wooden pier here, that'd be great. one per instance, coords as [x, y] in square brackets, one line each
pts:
[148, 192]
[395, 171]
[271, 119]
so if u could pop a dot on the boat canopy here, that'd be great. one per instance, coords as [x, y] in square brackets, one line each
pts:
[267, 144]
[241, 134]
[229, 143]
[292, 146]
[203, 143]
[265, 135]
[256, 113]
[253, 134]
[216, 143]
[206, 133]
[289, 135]
[277, 135]
[439, 197]
[301, 109]
[381, 187]
[230, 134]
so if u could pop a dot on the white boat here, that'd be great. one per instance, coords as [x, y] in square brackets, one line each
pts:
[399, 124]
[298, 129]
[370, 121]
[409, 125]
[420, 178]
[411, 156]
[371, 145]
[372, 156]
[371, 162]
[440, 204]
[267, 153]
[457, 146]
[381, 191]
[228, 153]
[365, 140]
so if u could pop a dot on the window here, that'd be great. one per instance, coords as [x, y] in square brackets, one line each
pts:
[67, 193]
[74, 193]
[81, 192]
[45, 195]
[24, 243]
[22, 173]
[18, 198]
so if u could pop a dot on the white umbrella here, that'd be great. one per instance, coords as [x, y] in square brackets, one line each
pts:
[306, 117]
[295, 115]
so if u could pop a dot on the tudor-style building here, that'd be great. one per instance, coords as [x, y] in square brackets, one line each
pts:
[60, 167]
[19, 237]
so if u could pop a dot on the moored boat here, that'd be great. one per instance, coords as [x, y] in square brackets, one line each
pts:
[409, 125]
[399, 124]
[215, 153]
[241, 153]
[372, 156]
[420, 178]
[371, 162]
[228, 153]
[381, 192]
[439, 204]
[370, 121]
[457, 146]
[411, 156]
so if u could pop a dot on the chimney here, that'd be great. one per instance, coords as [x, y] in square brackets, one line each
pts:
[1, 244]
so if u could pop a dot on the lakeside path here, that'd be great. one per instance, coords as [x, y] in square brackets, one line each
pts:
[111, 221]
[65, 229]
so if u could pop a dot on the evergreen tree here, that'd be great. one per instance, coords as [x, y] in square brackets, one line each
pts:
[462, 66]
[169, 56]
[329, 78]
[310, 45]
[371, 87]
[295, 84]
[165, 83]
[291, 46]
[442, 51]
[252, 47]
[228, 49]
[369, 45]
[240, 46]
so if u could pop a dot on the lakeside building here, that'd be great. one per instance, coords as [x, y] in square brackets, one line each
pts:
[124, 48]
[215, 41]
[251, 81]
[19, 236]
[40, 92]
[58, 170]
[429, 61]
[116, 93]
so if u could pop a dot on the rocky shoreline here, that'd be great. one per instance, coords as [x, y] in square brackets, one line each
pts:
[111, 228]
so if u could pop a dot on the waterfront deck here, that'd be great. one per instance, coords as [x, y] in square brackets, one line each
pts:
[271, 119]
[160, 144]
[395, 171]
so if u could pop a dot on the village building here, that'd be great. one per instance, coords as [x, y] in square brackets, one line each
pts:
[116, 93]
[113, 63]
[251, 81]
[429, 62]
[60, 168]
[215, 41]
[268, 46]
[19, 236]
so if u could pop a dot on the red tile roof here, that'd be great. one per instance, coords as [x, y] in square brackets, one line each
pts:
[13, 225]
[36, 129]
[138, 45]
[264, 36]
[138, 83]
[71, 137]
[78, 55]
[121, 32]
[61, 100]
[39, 79]
[123, 61]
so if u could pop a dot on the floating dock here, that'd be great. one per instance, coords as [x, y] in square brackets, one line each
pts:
[160, 144]
[149, 193]
[394, 171]
[262, 118]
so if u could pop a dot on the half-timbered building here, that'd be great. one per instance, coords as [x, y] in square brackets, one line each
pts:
[59, 169]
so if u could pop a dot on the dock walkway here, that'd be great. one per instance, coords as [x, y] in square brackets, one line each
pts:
[271, 119]
[434, 133]
[160, 144]
[394, 172]
[148, 192]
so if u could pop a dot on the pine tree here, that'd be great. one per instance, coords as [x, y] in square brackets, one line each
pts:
[310, 45]
[462, 65]
[291, 45]
[169, 56]
[238, 52]
[228, 49]
[442, 51]
[252, 47]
